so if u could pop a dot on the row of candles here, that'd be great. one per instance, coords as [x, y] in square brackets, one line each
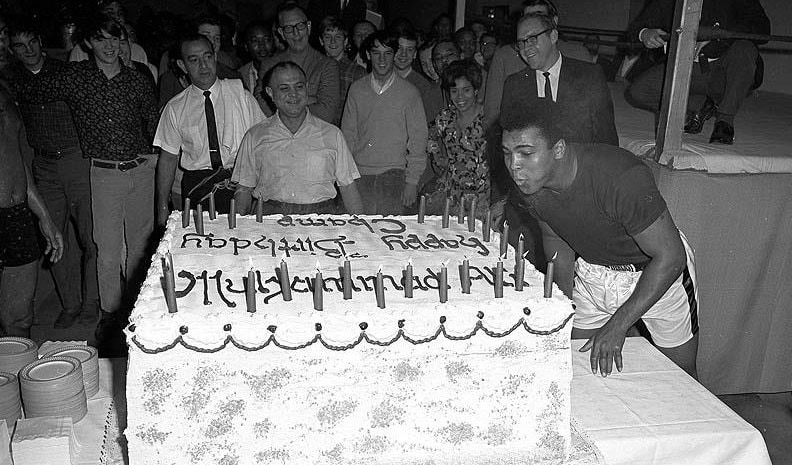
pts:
[318, 284]
[471, 218]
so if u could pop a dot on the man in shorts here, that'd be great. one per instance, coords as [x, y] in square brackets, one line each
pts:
[19, 247]
[633, 262]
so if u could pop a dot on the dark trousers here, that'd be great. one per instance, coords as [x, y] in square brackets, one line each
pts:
[727, 81]
[65, 187]
[382, 193]
[222, 196]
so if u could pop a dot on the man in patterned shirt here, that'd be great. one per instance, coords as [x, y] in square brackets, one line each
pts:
[61, 175]
[115, 112]
[333, 37]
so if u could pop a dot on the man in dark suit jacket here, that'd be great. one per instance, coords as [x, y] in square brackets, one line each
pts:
[584, 105]
[726, 70]
[579, 89]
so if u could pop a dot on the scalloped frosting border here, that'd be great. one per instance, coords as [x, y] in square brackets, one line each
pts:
[441, 331]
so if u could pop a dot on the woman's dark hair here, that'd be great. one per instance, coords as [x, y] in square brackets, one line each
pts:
[467, 69]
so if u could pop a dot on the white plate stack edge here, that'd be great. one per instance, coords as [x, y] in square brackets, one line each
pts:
[53, 387]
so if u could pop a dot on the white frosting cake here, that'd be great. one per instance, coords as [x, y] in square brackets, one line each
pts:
[475, 379]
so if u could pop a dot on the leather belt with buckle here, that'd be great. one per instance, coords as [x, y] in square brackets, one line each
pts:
[120, 166]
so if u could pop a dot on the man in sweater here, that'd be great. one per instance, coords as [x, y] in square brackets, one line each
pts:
[431, 95]
[385, 126]
[333, 37]
[324, 98]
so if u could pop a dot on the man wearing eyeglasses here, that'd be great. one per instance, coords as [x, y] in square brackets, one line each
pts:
[507, 61]
[581, 94]
[323, 80]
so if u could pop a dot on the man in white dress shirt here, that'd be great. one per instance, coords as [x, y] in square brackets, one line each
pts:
[206, 122]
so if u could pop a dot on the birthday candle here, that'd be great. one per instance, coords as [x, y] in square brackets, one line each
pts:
[485, 231]
[347, 279]
[170, 282]
[408, 280]
[443, 285]
[520, 249]
[318, 294]
[212, 210]
[199, 226]
[504, 245]
[446, 211]
[285, 282]
[519, 273]
[232, 214]
[499, 278]
[259, 211]
[461, 210]
[250, 289]
[548, 281]
[379, 289]
[186, 213]
[464, 277]
[472, 216]
[422, 209]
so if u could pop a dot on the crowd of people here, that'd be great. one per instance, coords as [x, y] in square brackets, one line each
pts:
[331, 114]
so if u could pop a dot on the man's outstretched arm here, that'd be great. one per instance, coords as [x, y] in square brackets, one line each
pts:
[662, 243]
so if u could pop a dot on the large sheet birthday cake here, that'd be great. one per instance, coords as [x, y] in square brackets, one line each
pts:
[475, 379]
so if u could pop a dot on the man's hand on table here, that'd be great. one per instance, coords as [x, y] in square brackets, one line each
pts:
[606, 346]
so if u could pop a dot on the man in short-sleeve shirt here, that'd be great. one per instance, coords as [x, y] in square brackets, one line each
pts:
[293, 160]
[184, 129]
[633, 263]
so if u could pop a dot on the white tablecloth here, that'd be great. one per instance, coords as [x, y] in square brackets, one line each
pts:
[654, 413]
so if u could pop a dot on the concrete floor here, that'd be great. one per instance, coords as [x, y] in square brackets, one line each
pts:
[771, 414]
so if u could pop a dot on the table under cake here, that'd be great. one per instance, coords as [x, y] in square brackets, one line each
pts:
[652, 413]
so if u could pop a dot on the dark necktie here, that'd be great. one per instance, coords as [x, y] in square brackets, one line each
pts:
[548, 88]
[211, 130]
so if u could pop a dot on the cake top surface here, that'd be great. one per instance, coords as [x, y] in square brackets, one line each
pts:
[211, 272]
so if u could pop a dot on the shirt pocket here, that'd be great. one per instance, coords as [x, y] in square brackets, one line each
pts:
[195, 142]
[319, 165]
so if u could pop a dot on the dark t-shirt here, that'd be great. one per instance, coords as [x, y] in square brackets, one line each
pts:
[612, 198]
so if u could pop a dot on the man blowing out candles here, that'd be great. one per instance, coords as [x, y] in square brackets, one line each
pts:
[633, 262]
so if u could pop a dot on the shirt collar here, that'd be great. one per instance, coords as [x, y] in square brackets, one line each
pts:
[308, 122]
[214, 89]
[381, 89]
[95, 67]
[554, 70]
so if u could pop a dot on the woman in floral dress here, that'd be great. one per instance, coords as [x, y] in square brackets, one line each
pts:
[457, 148]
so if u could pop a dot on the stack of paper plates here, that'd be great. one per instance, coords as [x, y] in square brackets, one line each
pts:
[89, 359]
[53, 387]
[10, 404]
[15, 353]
